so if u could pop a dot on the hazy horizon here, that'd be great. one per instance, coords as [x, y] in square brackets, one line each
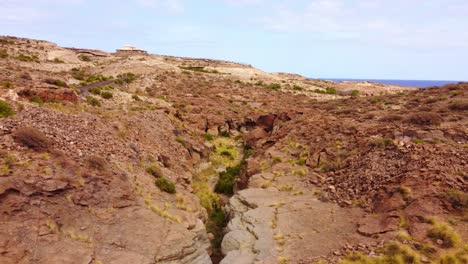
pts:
[328, 39]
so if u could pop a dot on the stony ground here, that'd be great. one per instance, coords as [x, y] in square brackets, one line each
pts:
[127, 172]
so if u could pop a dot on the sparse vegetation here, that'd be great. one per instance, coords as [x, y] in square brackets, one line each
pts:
[274, 86]
[57, 60]
[458, 199]
[405, 192]
[56, 82]
[165, 185]
[106, 95]
[458, 106]
[208, 137]
[36, 99]
[93, 101]
[442, 231]
[155, 170]
[126, 78]
[5, 109]
[393, 253]
[355, 93]
[328, 90]
[227, 179]
[78, 74]
[27, 58]
[32, 138]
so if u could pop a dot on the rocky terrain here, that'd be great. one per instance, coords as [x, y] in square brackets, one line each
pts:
[159, 159]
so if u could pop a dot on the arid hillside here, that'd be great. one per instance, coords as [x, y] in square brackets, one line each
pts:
[156, 159]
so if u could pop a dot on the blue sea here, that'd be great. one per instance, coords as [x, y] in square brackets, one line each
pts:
[409, 83]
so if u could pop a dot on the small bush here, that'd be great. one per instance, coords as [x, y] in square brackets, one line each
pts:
[424, 119]
[127, 77]
[444, 232]
[328, 90]
[96, 162]
[95, 90]
[32, 138]
[27, 58]
[274, 86]
[297, 88]
[165, 185]
[155, 170]
[78, 74]
[354, 93]
[381, 142]
[458, 199]
[5, 109]
[84, 58]
[106, 95]
[208, 137]
[92, 101]
[36, 99]
[136, 98]
[57, 60]
[56, 82]
[227, 179]
[458, 106]
[3, 54]
[405, 192]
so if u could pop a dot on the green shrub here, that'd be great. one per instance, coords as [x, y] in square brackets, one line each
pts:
[5, 109]
[155, 170]
[95, 79]
[208, 137]
[328, 90]
[225, 134]
[36, 99]
[27, 58]
[274, 86]
[297, 88]
[444, 232]
[354, 93]
[106, 95]
[92, 101]
[136, 98]
[95, 90]
[165, 185]
[78, 74]
[3, 54]
[127, 77]
[57, 60]
[227, 180]
[458, 199]
[56, 82]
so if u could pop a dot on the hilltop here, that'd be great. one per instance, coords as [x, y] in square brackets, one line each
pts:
[158, 159]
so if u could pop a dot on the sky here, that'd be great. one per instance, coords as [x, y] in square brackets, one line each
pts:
[368, 39]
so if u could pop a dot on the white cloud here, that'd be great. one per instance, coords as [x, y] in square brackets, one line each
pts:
[399, 23]
[171, 6]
